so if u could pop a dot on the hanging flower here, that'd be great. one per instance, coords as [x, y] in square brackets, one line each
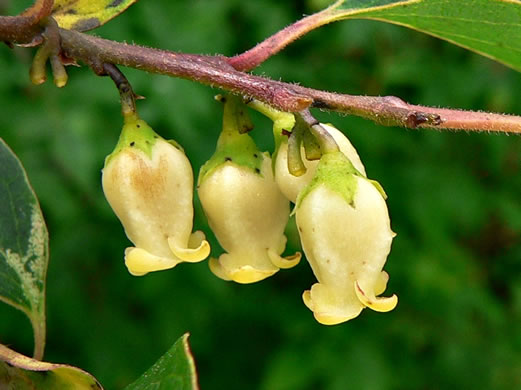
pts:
[245, 209]
[345, 232]
[148, 182]
[291, 185]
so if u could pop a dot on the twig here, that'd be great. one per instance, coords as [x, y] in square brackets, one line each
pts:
[126, 93]
[23, 29]
[209, 70]
[217, 71]
[272, 45]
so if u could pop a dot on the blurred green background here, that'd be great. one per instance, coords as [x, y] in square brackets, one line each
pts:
[454, 200]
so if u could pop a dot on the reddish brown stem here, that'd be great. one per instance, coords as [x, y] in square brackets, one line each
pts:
[23, 28]
[217, 71]
[210, 70]
[257, 55]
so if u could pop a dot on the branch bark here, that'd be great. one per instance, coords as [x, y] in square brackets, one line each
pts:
[216, 71]
[24, 28]
[221, 72]
[252, 58]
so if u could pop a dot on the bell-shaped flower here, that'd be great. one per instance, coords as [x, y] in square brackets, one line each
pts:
[148, 182]
[291, 185]
[243, 204]
[345, 231]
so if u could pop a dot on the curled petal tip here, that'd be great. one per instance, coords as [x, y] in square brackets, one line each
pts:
[217, 269]
[377, 304]
[139, 262]
[306, 297]
[198, 248]
[381, 283]
[284, 262]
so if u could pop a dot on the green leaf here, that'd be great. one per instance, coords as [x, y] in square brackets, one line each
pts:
[23, 245]
[84, 15]
[21, 372]
[175, 370]
[491, 28]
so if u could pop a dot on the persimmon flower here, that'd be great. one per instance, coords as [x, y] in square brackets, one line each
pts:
[148, 182]
[291, 185]
[243, 204]
[345, 232]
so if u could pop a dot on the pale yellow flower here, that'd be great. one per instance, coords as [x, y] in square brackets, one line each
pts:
[291, 185]
[345, 232]
[148, 182]
[243, 204]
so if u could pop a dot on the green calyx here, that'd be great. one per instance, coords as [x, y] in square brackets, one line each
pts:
[234, 146]
[336, 172]
[136, 134]
[282, 121]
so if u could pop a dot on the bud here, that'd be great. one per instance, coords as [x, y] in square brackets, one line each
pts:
[245, 208]
[148, 182]
[345, 232]
[291, 185]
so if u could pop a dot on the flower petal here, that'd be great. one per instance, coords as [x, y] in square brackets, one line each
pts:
[377, 304]
[381, 283]
[284, 262]
[140, 262]
[198, 248]
[217, 269]
[244, 274]
[325, 310]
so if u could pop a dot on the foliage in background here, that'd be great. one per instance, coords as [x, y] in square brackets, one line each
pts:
[453, 200]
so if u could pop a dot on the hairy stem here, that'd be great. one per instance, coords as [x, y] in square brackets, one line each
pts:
[221, 72]
[257, 55]
[24, 28]
[217, 72]
[126, 93]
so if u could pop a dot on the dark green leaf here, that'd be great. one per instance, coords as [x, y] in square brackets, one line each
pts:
[488, 27]
[23, 245]
[175, 370]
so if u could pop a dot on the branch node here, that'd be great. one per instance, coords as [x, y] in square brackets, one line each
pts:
[415, 119]
[325, 140]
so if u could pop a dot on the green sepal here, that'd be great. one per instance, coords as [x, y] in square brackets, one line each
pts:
[233, 144]
[136, 134]
[175, 144]
[311, 146]
[379, 187]
[282, 122]
[337, 173]
[296, 166]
